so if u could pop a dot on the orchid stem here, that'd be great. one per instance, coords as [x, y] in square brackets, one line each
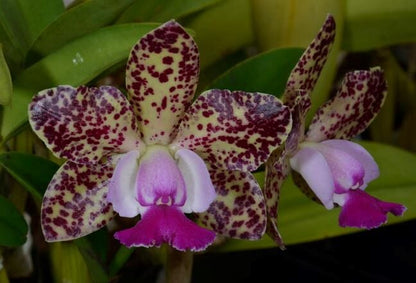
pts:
[178, 266]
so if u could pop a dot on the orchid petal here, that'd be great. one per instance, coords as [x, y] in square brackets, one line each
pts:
[277, 170]
[121, 189]
[166, 224]
[353, 108]
[364, 211]
[161, 78]
[75, 203]
[239, 209]
[200, 192]
[84, 124]
[359, 153]
[234, 130]
[315, 170]
[347, 172]
[307, 70]
[159, 180]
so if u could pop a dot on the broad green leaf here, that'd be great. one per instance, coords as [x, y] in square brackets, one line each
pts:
[68, 263]
[78, 21]
[75, 64]
[95, 268]
[162, 10]
[376, 23]
[22, 21]
[291, 23]
[120, 258]
[98, 242]
[222, 29]
[32, 172]
[13, 227]
[37, 15]
[302, 220]
[12, 54]
[6, 86]
[267, 72]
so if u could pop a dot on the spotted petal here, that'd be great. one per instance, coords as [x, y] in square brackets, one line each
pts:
[277, 170]
[161, 78]
[234, 130]
[75, 203]
[353, 108]
[84, 124]
[239, 210]
[307, 70]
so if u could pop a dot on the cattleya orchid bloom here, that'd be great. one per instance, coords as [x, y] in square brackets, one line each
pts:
[155, 154]
[329, 168]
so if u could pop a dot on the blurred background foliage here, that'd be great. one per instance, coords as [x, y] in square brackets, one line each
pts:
[244, 44]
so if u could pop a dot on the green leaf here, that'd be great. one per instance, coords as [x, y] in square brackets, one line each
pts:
[162, 10]
[32, 172]
[376, 23]
[78, 21]
[68, 263]
[267, 72]
[75, 64]
[22, 21]
[95, 268]
[120, 258]
[98, 242]
[13, 226]
[37, 15]
[302, 220]
[6, 86]
[225, 26]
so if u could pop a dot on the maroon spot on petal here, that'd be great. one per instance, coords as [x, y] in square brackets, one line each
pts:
[167, 60]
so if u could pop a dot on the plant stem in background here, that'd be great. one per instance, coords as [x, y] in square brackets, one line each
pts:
[178, 266]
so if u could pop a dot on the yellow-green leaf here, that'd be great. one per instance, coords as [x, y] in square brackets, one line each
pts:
[162, 10]
[77, 21]
[372, 24]
[13, 226]
[6, 86]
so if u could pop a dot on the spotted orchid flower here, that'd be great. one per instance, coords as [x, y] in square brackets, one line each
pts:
[328, 167]
[155, 154]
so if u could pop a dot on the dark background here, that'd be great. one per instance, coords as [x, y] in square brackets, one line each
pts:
[386, 254]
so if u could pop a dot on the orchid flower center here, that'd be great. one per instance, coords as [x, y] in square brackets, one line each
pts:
[159, 181]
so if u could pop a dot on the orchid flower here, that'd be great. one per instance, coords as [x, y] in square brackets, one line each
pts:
[155, 154]
[328, 167]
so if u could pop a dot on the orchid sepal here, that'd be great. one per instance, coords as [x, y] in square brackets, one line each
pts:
[352, 109]
[234, 130]
[84, 124]
[161, 79]
[75, 202]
